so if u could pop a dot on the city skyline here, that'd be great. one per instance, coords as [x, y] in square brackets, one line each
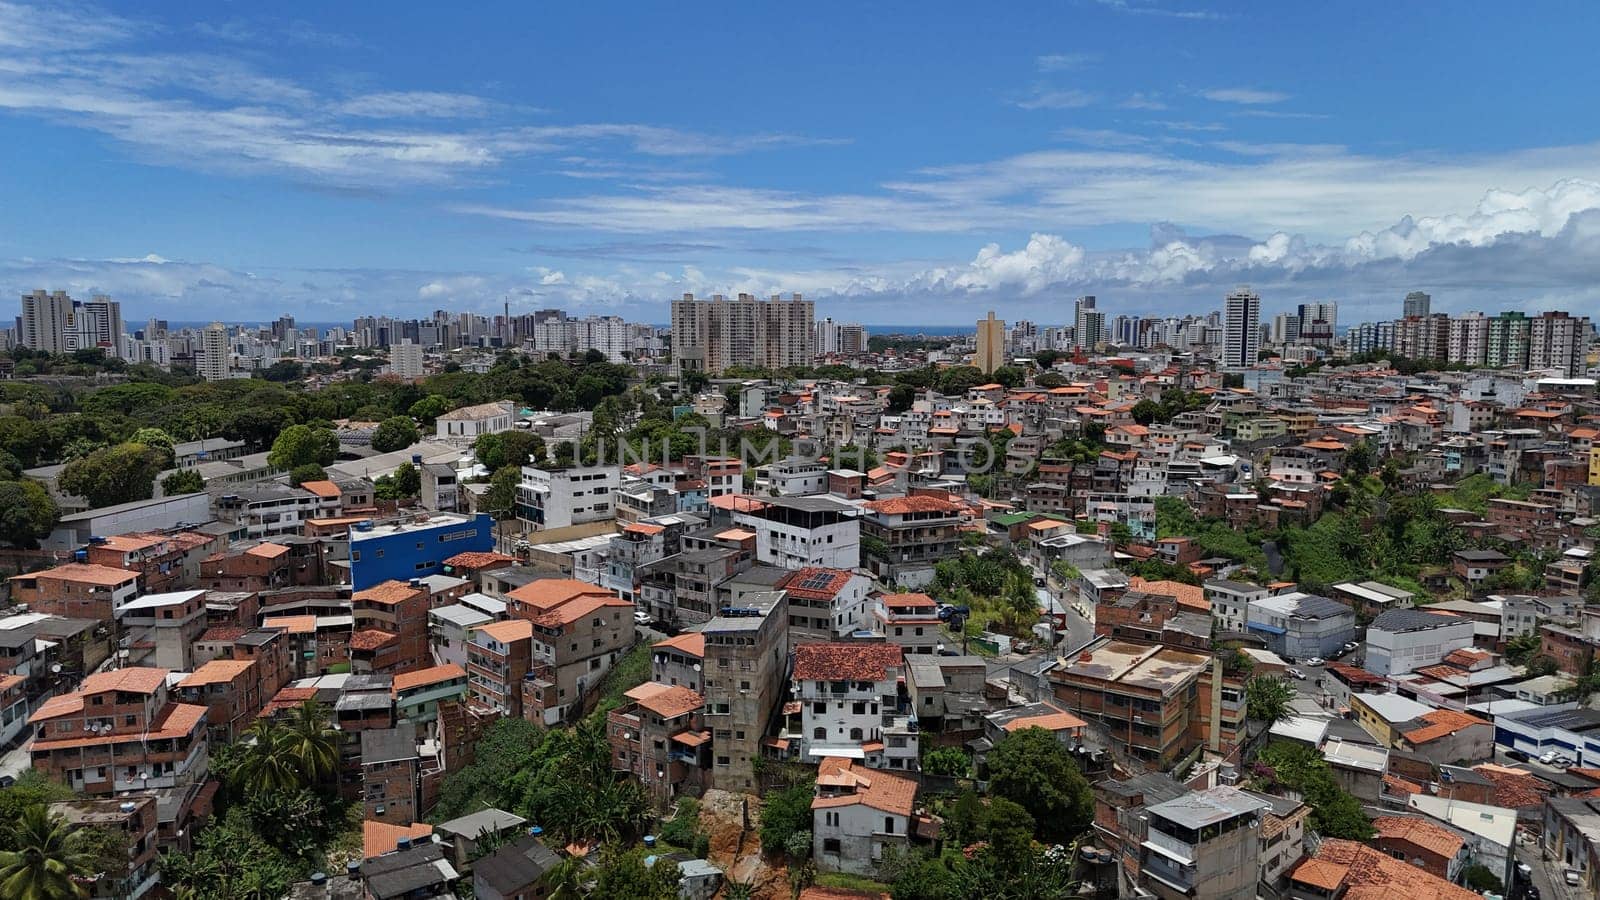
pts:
[299, 163]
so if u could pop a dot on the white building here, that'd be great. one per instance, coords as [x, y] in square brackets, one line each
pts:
[847, 692]
[1230, 602]
[1404, 640]
[560, 498]
[215, 356]
[405, 360]
[792, 477]
[858, 814]
[468, 422]
[45, 318]
[449, 630]
[795, 532]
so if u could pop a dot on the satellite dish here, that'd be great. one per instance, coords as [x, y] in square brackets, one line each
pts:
[55, 668]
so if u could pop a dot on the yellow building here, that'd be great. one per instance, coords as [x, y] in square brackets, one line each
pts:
[991, 353]
[1594, 465]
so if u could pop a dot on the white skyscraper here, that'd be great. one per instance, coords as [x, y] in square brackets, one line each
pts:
[405, 360]
[1417, 304]
[1318, 321]
[212, 363]
[1088, 324]
[46, 320]
[1241, 328]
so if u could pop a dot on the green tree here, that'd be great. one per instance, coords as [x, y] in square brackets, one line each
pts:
[265, 768]
[407, 480]
[27, 513]
[948, 761]
[429, 409]
[112, 475]
[183, 481]
[159, 441]
[1267, 699]
[309, 472]
[1482, 879]
[1523, 647]
[311, 741]
[46, 859]
[1032, 768]
[394, 433]
[509, 448]
[232, 860]
[299, 445]
[500, 500]
[624, 875]
[785, 813]
[1334, 813]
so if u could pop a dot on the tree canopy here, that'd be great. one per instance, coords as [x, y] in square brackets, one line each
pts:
[1032, 768]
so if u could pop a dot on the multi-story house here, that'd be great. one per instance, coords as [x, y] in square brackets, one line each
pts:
[265, 508]
[399, 609]
[1404, 640]
[859, 815]
[560, 498]
[391, 783]
[907, 620]
[414, 548]
[1144, 696]
[682, 588]
[120, 731]
[853, 703]
[792, 477]
[659, 738]
[746, 655]
[1230, 601]
[905, 536]
[722, 475]
[825, 604]
[76, 591]
[499, 657]
[680, 661]
[230, 689]
[132, 825]
[419, 694]
[1202, 844]
[1297, 625]
[168, 624]
[794, 532]
[577, 635]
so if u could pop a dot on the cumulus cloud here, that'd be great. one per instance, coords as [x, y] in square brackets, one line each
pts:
[1247, 96]
[1061, 62]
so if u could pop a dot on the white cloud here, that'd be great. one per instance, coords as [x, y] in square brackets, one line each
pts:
[1247, 96]
[1143, 101]
[1045, 97]
[415, 105]
[1061, 62]
[1151, 8]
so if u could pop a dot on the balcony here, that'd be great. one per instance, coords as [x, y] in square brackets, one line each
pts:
[1175, 848]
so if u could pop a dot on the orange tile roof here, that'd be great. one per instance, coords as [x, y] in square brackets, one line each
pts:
[846, 662]
[1420, 832]
[1188, 595]
[225, 633]
[644, 528]
[1441, 723]
[86, 573]
[1514, 788]
[287, 698]
[267, 550]
[546, 594]
[370, 639]
[1055, 721]
[507, 632]
[292, 624]
[918, 503]
[738, 503]
[378, 838]
[129, 543]
[815, 582]
[1320, 873]
[425, 677]
[876, 789]
[136, 680]
[690, 643]
[666, 701]
[1371, 874]
[912, 598]
[567, 613]
[7, 682]
[175, 721]
[474, 559]
[321, 488]
[217, 671]
[388, 593]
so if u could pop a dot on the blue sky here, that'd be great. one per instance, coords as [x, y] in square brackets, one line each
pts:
[239, 160]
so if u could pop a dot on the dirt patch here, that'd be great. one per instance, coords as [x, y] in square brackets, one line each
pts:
[733, 822]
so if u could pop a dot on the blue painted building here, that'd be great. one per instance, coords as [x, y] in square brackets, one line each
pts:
[414, 548]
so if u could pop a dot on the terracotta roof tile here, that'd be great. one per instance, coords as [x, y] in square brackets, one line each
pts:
[84, 573]
[217, 671]
[666, 701]
[425, 677]
[1372, 874]
[292, 624]
[918, 503]
[690, 643]
[378, 838]
[1420, 832]
[370, 639]
[876, 789]
[507, 632]
[388, 593]
[815, 583]
[474, 559]
[321, 488]
[1440, 723]
[846, 662]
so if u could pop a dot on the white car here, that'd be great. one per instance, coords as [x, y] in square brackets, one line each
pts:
[1314, 661]
[1295, 673]
[1548, 757]
[640, 617]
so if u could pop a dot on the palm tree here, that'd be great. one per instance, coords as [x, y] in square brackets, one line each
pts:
[565, 881]
[312, 743]
[267, 765]
[48, 860]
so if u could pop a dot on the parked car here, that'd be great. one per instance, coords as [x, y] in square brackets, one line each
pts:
[947, 611]
[1517, 755]
[1295, 673]
[1315, 661]
[1573, 876]
[1350, 646]
[640, 617]
[1548, 757]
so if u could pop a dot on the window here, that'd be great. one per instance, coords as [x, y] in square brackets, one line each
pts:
[830, 845]
[819, 733]
[888, 825]
[855, 734]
